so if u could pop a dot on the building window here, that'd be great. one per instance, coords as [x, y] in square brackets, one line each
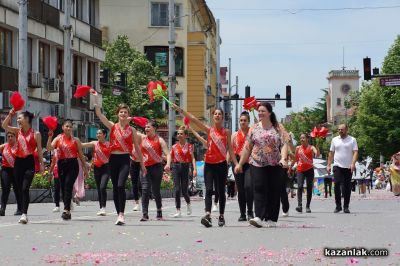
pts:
[29, 54]
[159, 15]
[77, 70]
[92, 12]
[44, 59]
[91, 74]
[5, 47]
[61, 5]
[338, 101]
[60, 64]
[159, 56]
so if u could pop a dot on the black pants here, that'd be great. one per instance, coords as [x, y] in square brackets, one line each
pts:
[135, 176]
[328, 186]
[57, 190]
[151, 181]
[119, 171]
[245, 187]
[284, 194]
[24, 171]
[230, 188]
[215, 173]
[8, 180]
[267, 189]
[180, 173]
[101, 176]
[68, 170]
[342, 186]
[309, 177]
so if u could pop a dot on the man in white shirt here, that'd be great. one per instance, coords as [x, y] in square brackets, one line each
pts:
[344, 153]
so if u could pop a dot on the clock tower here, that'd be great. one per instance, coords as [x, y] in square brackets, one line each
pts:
[341, 83]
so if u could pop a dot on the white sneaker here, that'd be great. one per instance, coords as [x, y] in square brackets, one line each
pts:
[177, 214]
[256, 222]
[270, 224]
[56, 209]
[102, 212]
[215, 208]
[189, 209]
[285, 214]
[136, 207]
[23, 219]
[120, 220]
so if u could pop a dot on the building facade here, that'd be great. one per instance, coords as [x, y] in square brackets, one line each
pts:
[46, 59]
[341, 84]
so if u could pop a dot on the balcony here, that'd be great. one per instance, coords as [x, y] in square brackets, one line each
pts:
[44, 13]
[95, 36]
[8, 78]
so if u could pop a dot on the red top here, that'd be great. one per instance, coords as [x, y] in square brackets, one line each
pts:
[8, 155]
[67, 147]
[239, 139]
[151, 150]
[121, 139]
[181, 154]
[216, 143]
[304, 158]
[37, 162]
[101, 153]
[26, 143]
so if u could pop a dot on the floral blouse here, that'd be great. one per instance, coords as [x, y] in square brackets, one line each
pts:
[267, 145]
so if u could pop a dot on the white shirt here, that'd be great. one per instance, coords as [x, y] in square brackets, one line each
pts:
[343, 149]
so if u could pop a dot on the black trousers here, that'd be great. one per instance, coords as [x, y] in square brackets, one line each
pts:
[267, 189]
[180, 173]
[8, 180]
[119, 170]
[230, 188]
[215, 173]
[342, 186]
[309, 177]
[135, 178]
[24, 171]
[68, 170]
[328, 186]
[57, 191]
[151, 181]
[284, 194]
[245, 187]
[101, 176]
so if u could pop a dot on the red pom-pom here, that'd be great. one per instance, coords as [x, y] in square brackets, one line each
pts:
[16, 101]
[81, 91]
[250, 103]
[314, 133]
[186, 121]
[140, 121]
[151, 86]
[163, 86]
[50, 122]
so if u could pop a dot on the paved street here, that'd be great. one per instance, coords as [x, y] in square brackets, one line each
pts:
[298, 240]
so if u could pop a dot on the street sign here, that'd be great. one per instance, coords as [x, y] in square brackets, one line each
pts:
[272, 103]
[392, 81]
[116, 91]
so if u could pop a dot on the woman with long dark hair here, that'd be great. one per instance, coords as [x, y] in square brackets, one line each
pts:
[216, 167]
[267, 149]
[28, 140]
[122, 139]
[69, 149]
[101, 157]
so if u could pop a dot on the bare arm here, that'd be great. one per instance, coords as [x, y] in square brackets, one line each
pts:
[88, 144]
[355, 158]
[82, 157]
[195, 120]
[193, 163]
[107, 123]
[330, 158]
[38, 139]
[137, 139]
[51, 145]
[6, 123]
[315, 151]
[198, 137]
[164, 148]
[244, 157]
[230, 148]
[2, 148]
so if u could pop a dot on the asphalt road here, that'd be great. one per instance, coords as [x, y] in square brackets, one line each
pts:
[298, 240]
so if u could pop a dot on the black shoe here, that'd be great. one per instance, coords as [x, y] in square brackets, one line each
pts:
[66, 215]
[242, 218]
[308, 210]
[299, 209]
[159, 215]
[337, 209]
[221, 221]
[145, 218]
[346, 210]
[206, 221]
[18, 213]
[250, 216]
[2, 212]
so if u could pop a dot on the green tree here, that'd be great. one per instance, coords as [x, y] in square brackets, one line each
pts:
[122, 58]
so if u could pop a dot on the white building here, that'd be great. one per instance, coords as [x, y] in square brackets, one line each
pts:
[341, 83]
[46, 56]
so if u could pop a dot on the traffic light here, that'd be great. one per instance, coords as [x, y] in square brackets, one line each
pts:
[235, 96]
[104, 75]
[247, 91]
[121, 79]
[375, 71]
[367, 68]
[288, 96]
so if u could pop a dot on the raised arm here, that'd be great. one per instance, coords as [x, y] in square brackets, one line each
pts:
[195, 120]
[51, 144]
[38, 139]
[198, 137]
[2, 148]
[164, 148]
[6, 123]
[107, 123]
[315, 150]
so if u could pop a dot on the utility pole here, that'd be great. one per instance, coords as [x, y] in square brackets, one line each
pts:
[67, 59]
[171, 75]
[229, 115]
[23, 50]
[237, 104]
[217, 94]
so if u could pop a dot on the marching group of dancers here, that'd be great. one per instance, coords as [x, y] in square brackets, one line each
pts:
[258, 154]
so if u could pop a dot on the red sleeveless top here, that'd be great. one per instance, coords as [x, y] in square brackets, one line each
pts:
[121, 139]
[181, 154]
[67, 147]
[8, 155]
[216, 143]
[304, 158]
[151, 150]
[101, 153]
[239, 139]
[26, 143]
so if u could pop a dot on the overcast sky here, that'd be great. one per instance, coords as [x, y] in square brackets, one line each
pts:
[271, 48]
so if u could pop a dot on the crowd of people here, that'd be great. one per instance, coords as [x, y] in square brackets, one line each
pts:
[256, 163]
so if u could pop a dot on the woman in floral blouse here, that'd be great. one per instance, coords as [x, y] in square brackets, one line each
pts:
[266, 146]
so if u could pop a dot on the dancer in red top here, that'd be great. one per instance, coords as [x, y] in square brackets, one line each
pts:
[305, 170]
[153, 147]
[216, 167]
[69, 149]
[7, 151]
[122, 139]
[182, 156]
[101, 156]
[28, 140]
